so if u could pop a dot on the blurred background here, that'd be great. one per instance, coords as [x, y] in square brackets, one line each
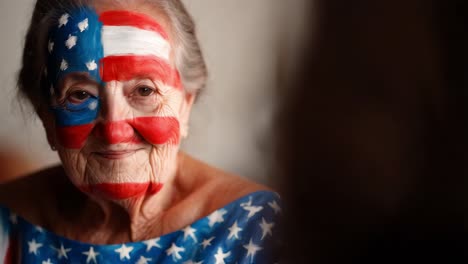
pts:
[354, 109]
[231, 123]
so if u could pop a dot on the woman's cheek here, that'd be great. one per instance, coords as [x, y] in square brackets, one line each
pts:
[74, 123]
[158, 130]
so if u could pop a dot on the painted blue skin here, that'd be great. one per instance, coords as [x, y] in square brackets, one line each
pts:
[88, 48]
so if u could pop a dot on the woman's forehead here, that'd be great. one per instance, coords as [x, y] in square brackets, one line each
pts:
[110, 44]
[135, 6]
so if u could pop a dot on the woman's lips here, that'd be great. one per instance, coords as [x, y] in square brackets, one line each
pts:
[115, 154]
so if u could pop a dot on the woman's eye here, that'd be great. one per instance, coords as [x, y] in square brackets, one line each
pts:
[144, 91]
[78, 96]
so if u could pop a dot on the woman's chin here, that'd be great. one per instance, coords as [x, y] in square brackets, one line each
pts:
[122, 191]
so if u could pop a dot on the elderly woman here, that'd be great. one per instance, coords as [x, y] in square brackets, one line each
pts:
[113, 83]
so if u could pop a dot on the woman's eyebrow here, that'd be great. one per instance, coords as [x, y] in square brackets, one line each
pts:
[78, 77]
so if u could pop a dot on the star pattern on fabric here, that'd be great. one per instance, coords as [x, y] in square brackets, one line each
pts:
[216, 217]
[227, 235]
[220, 256]
[91, 255]
[275, 206]
[62, 251]
[47, 261]
[266, 228]
[234, 231]
[152, 243]
[124, 252]
[143, 260]
[252, 249]
[174, 251]
[252, 210]
[33, 246]
[190, 232]
[207, 242]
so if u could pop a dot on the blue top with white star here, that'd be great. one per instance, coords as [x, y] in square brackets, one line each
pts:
[244, 231]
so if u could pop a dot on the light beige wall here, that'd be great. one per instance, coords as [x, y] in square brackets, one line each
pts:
[230, 124]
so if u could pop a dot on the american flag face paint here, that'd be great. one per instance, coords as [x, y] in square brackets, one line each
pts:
[113, 88]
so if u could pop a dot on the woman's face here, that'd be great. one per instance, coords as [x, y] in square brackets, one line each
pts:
[118, 105]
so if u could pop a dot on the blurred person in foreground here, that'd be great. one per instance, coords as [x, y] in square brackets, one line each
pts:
[371, 142]
[113, 83]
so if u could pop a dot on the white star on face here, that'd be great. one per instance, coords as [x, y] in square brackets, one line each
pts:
[143, 260]
[13, 218]
[174, 251]
[189, 231]
[275, 207]
[220, 256]
[64, 65]
[83, 25]
[252, 210]
[47, 262]
[71, 41]
[50, 46]
[91, 65]
[266, 228]
[63, 20]
[216, 217]
[234, 231]
[92, 105]
[152, 243]
[207, 242]
[33, 246]
[61, 252]
[124, 252]
[91, 255]
[252, 249]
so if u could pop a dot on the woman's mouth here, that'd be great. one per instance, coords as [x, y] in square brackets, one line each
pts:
[115, 154]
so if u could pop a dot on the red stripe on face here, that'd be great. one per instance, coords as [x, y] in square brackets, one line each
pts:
[158, 130]
[124, 68]
[121, 191]
[74, 137]
[154, 129]
[126, 18]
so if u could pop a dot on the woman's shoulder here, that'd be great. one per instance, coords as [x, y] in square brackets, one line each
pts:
[217, 187]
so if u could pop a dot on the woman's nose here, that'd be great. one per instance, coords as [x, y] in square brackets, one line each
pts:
[113, 124]
[115, 132]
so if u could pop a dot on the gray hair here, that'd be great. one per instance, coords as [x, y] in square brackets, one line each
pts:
[32, 81]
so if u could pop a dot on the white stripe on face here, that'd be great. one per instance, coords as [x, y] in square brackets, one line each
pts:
[126, 40]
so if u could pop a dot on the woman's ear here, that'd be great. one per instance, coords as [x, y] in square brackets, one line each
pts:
[48, 122]
[185, 110]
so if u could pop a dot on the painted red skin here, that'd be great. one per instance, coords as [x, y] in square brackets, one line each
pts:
[124, 68]
[127, 18]
[122, 191]
[154, 129]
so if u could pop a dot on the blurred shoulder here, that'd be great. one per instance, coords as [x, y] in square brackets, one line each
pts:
[26, 195]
